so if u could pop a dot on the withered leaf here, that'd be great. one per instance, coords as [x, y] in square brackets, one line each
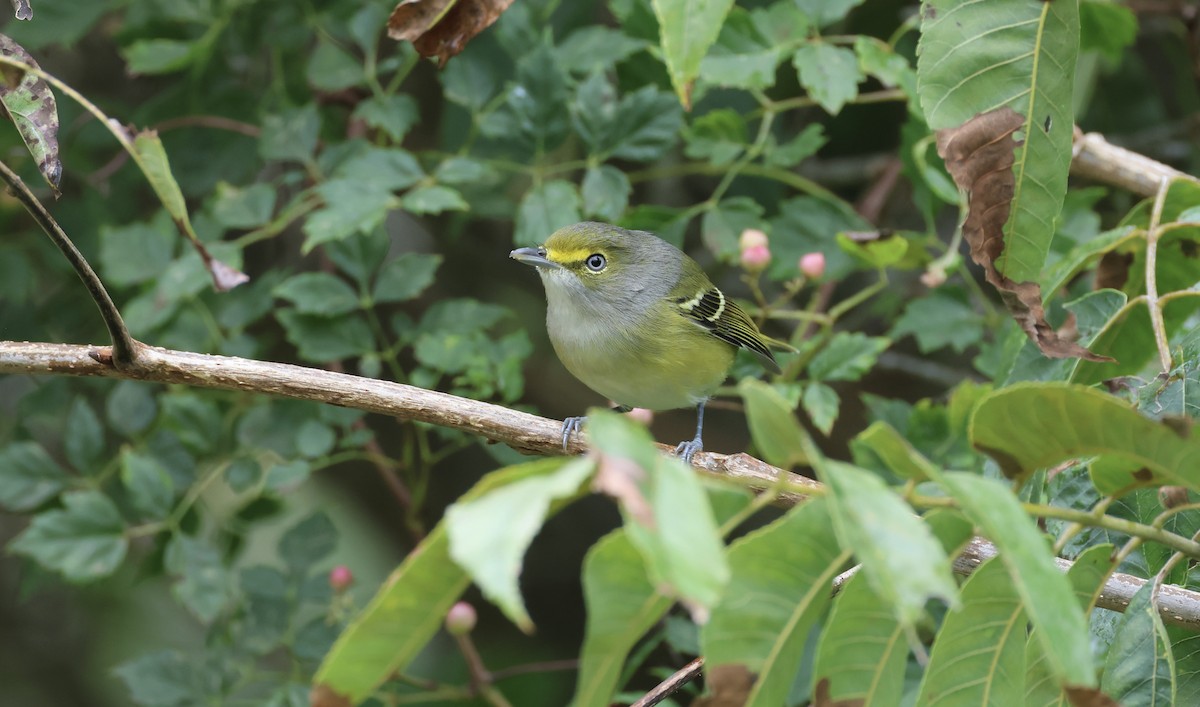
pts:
[979, 155]
[22, 9]
[1089, 697]
[30, 105]
[1113, 270]
[325, 696]
[728, 686]
[442, 28]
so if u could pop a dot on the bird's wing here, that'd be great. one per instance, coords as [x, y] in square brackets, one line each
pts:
[724, 319]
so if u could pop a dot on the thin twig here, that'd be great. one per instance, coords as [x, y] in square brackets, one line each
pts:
[481, 679]
[1156, 314]
[123, 347]
[668, 687]
[545, 666]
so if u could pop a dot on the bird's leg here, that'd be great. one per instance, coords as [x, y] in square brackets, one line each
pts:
[686, 449]
[571, 425]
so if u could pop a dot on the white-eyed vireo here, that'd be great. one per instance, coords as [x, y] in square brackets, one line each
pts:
[639, 322]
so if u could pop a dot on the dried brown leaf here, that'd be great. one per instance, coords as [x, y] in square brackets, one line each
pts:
[324, 696]
[28, 102]
[442, 28]
[1089, 697]
[1113, 270]
[728, 686]
[979, 155]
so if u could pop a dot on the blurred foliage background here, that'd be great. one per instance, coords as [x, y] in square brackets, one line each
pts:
[373, 199]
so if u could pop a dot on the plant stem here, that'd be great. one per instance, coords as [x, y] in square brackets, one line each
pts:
[1156, 314]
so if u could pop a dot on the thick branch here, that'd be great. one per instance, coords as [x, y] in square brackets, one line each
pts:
[520, 430]
[1097, 159]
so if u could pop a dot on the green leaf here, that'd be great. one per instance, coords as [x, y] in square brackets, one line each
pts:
[150, 487]
[900, 557]
[463, 170]
[162, 56]
[291, 135]
[596, 47]
[718, 136]
[606, 192]
[537, 102]
[821, 403]
[470, 80]
[490, 534]
[687, 28]
[385, 168]
[830, 74]
[434, 200]
[1011, 426]
[847, 356]
[1086, 575]
[83, 541]
[862, 651]
[28, 477]
[774, 428]
[781, 576]
[331, 69]
[243, 207]
[152, 158]
[825, 12]
[409, 608]
[667, 514]
[393, 114]
[980, 57]
[794, 151]
[315, 439]
[622, 604]
[83, 438]
[894, 451]
[131, 407]
[29, 103]
[286, 476]
[723, 224]
[1043, 589]
[243, 474]
[165, 679]
[742, 57]
[322, 338]
[351, 206]
[878, 253]
[939, 320]
[978, 656]
[317, 293]
[1106, 27]
[404, 277]
[137, 252]
[307, 542]
[205, 585]
[642, 126]
[1139, 669]
[878, 59]
[545, 209]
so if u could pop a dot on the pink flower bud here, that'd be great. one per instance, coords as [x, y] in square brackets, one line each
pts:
[642, 415]
[755, 258]
[752, 237]
[340, 578]
[461, 619]
[812, 265]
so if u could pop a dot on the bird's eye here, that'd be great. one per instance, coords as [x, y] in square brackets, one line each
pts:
[595, 262]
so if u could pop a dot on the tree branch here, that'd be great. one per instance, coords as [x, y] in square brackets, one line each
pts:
[1095, 158]
[522, 431]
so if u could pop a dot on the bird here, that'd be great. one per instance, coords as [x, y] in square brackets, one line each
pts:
[636, 320]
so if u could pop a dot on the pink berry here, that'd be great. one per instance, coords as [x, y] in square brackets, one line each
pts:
[642, 415]
[460, 619]
[752, 237]
[340, 578]
[756, 257]
[812, 265]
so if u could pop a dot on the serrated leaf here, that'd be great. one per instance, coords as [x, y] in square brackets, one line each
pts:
[490, 534]
[434, 200]
[939, 320]
[606, 192]
[405, 277]
[164, 679]
[322, 338]
[291, 135]
[83, 541]
[687, 28]
[393, 114]
[205, 584]
[847, 357]
[545, 209]
[774, 428]
[787, 568]
[894, 451]
[317, 293]
[330, 68]
[243, 207]
[724, 222]
[821, 403]
[149, 484]
[84, 437]
[718, 136]
[307, 542]
[28, 476]
[352, 205]
[978, 655]
[830, 74]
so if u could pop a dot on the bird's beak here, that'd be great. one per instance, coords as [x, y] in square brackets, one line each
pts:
[535, 257]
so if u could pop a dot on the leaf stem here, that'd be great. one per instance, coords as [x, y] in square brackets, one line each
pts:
[1152, 302]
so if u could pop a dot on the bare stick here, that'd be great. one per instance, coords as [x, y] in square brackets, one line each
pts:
[668, 687]
[1095, 158]
[1156, 313]
[123, 347]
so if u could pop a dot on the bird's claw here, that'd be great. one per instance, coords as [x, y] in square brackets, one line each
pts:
[570, 426]
[687, 449]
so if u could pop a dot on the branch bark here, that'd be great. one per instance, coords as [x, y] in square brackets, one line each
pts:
[1097, 159]
[522, 431]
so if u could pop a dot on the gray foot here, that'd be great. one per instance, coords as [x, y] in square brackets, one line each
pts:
[688, 448]
[571, 425]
